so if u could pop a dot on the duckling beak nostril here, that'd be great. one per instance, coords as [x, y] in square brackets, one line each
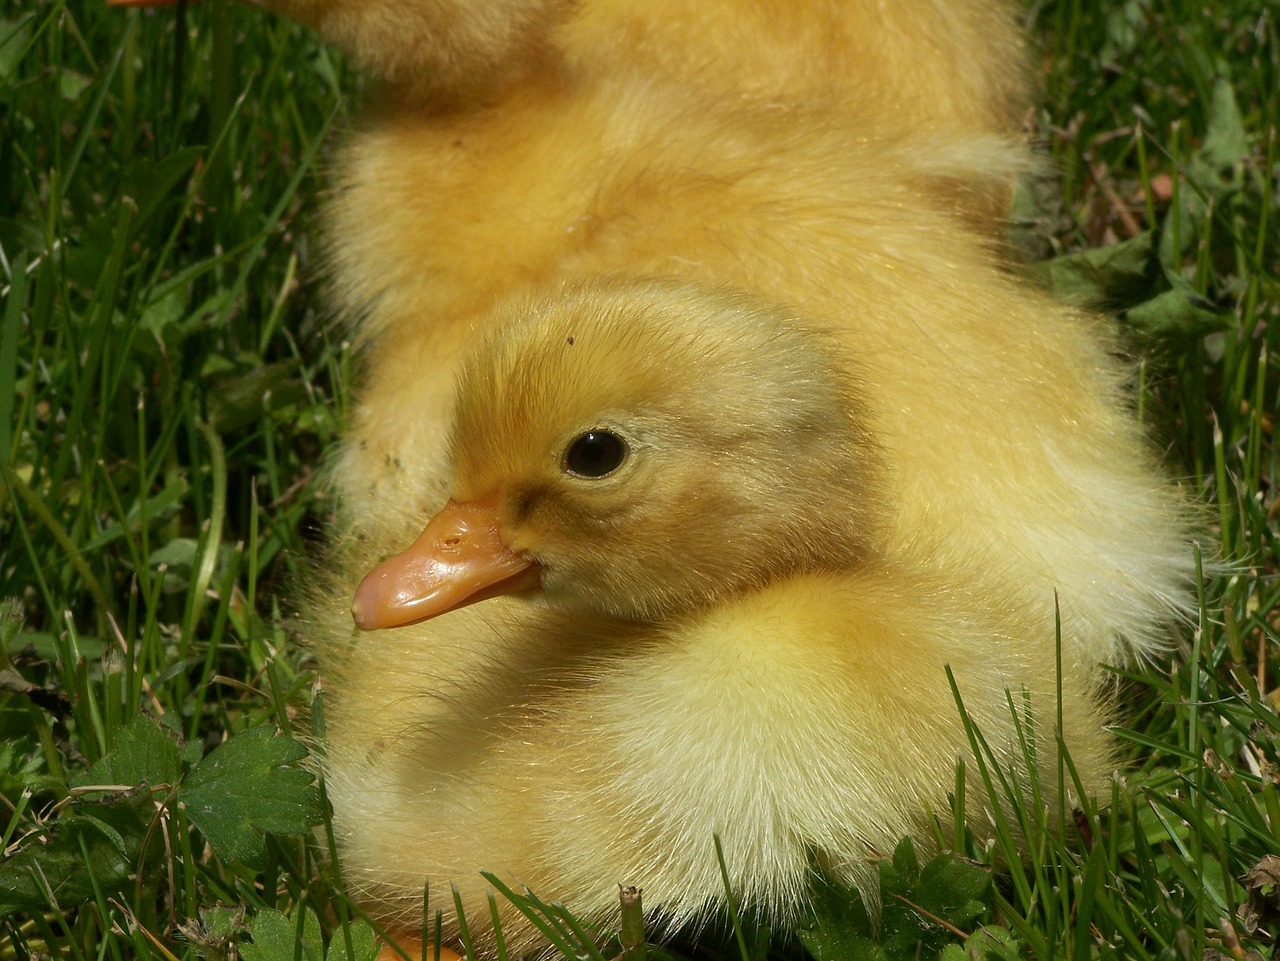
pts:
[458, 559]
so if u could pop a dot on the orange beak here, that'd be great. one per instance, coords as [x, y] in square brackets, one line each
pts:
[458, 559]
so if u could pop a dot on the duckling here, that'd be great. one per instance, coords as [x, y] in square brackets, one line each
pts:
[673, 597]
[840, 449]
[703, 427]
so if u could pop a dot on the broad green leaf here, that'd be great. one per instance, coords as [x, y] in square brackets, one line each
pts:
[364, 944]
[953, 889]
[249, 785]
[906, 866]
[1225, 143]
[98, 843]
[991, 943]
[275, 937]
[913, 899]
[1176, 315]
[840, 929]
[143, 753]
[177, 552]
[1120, 274]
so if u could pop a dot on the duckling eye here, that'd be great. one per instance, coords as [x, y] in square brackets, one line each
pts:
[595, 454]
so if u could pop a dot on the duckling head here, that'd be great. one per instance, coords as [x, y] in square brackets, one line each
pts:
[640, 449]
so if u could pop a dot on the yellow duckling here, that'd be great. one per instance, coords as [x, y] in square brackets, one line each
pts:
[839, 448]
[683, 321]
[673, 596]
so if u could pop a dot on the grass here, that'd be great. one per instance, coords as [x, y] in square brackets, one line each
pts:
[176, 382]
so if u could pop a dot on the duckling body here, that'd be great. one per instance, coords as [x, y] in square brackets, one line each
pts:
[693, 663]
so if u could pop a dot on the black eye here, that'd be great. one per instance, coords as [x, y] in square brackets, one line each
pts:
[595, 454]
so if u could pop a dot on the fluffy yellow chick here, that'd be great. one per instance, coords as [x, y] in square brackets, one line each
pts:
[686, 320]
[731, 605]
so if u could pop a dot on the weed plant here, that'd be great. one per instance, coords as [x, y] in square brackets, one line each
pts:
[169, 383]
